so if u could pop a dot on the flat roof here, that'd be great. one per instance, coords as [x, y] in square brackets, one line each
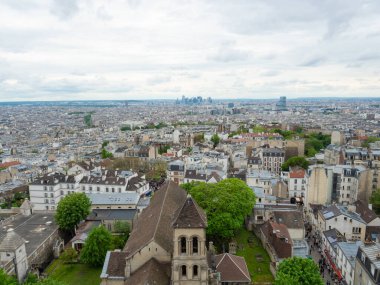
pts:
[32, 228]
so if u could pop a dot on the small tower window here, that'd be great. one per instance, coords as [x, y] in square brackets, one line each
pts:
[195, 271]
[183, 271]
[195, 245]
[183, 245]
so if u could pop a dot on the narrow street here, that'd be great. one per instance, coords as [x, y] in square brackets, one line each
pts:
[315, 248]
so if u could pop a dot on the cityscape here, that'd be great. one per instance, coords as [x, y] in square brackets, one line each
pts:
[189, 143]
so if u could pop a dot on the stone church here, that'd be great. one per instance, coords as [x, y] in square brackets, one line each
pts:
[167, 246]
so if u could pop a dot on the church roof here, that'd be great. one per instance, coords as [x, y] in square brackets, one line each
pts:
[152, 272]
[190, 215]
[155, 221]
[232, 268]
[11, 241]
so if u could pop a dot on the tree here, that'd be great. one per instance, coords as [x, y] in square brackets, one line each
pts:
[315, 142]
[215, 139]
[5, 279]
[121, 230]
[106, 154]
[70, 255]
[295, 161]
[298, 271]
[71, 210]
[375, 201]
[226, 204]
[95, 248]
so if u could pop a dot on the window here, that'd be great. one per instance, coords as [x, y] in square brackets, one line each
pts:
[83, 188]
[113, 190]
[345, 218]
[183, 245]
[90, 188]
[51, 195]
[46, 195]
[107, 189]
[356, 230]
[195, 245]
[183, 271]
[98, 189]
[119, 190]
[45, 188]
[195, 271]
[62, 193]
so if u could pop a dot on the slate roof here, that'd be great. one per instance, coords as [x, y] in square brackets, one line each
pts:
[152, 272]
[116, 264]
[365, 213]
[53, 179]
[232, 268]
[155, 222]
[292, 219]
[192, 174]
[190, 215]
[11, 241]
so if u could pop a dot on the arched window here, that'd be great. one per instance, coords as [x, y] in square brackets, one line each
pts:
[195, 245]
[183, 271]
[183, 245]
[195, 271]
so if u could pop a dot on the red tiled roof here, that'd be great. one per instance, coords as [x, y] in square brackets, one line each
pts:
[298, 173]
[8, 164]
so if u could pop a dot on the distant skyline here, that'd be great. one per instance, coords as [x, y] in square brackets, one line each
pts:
[126, 50]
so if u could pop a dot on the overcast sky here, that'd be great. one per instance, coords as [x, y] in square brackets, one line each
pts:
[119, 49]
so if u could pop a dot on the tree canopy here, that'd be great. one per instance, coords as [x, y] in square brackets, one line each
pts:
[5, 279]
[295, 161]
[215, 139]
[71, 210]
[121, 230]
[314, 142]
[375, 201]
[298, 271]
[226, 204]
[95, 248]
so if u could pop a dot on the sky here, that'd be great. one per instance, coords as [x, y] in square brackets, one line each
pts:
[132, 49]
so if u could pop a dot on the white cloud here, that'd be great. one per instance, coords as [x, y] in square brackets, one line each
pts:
[99, 49]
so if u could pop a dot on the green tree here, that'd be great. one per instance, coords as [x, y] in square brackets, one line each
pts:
[71, 210]
[215, 140]
[121, 230]
[163, 149]
[314, 142]
[95, 248]
[295, 161]
[106, 154]
[88, 120]
[105, 143]
[226, 203]
[375, 201]
[5, 279]
[370, 140]
[298, 271]
[70, 255]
